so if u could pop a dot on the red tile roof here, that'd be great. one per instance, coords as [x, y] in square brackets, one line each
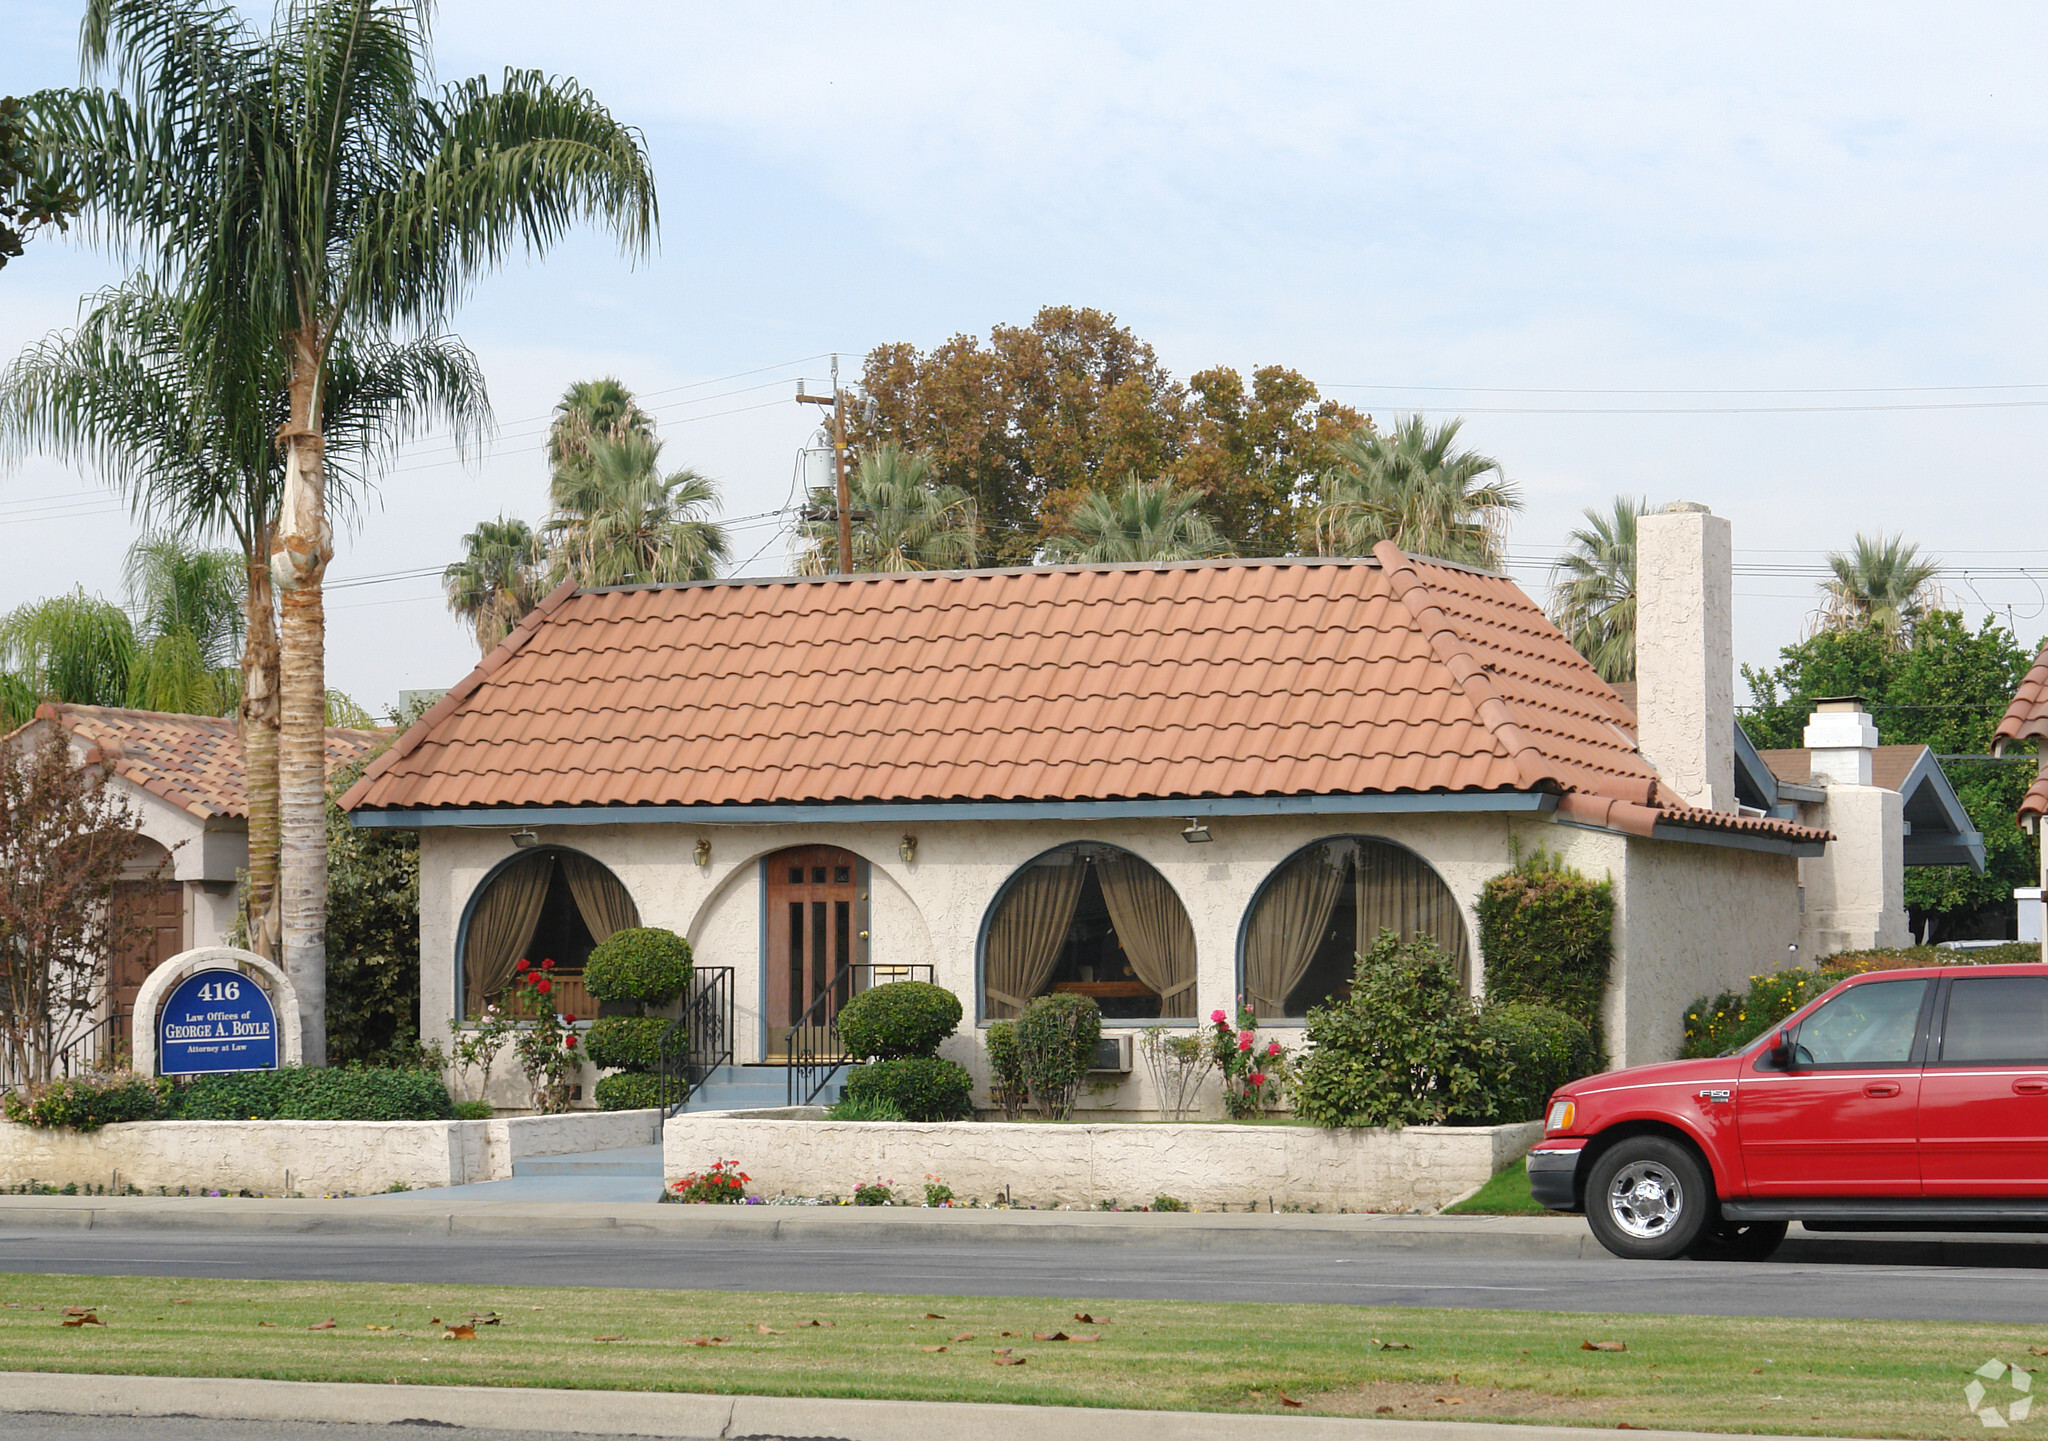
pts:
[1206, 679]
[193, 762]
[2027, 719]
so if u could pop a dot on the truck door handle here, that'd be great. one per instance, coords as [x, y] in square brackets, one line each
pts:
[1881, 1088]
[2031, 1086]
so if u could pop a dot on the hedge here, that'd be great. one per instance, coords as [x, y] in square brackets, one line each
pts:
[625, 1043]
[642, 966]
[628, 1091]
[923, 1088]
[86, 1103]
[1055, 1040]
[1546, 934]
[1540, 1049]
[902, 1018]
[306, 1093]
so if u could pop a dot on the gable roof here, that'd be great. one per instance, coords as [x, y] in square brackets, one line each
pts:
[1939, 831]
[193, 762]
[1290, 677]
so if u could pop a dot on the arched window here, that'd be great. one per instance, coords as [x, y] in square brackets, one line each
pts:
[1096, 921]
[544, 904]
[1330, 901]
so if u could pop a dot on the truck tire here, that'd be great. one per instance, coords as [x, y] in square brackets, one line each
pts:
[1648, 1199]
[1721, 1240]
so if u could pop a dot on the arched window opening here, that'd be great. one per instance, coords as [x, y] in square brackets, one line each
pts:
[1329, 902]
[1094, 921]
[547, 904]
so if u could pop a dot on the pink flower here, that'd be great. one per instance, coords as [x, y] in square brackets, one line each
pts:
[1244, 1040]
[1218, 1018]
[1273, 1048]
[1257, 1078]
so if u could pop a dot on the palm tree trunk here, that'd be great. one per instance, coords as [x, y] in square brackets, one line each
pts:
[259, 724]
[304, 546]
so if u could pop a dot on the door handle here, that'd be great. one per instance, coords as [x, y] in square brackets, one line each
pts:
[1881, 1088]
[2031, 1086]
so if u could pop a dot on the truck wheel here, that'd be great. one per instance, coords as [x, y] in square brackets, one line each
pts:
[1721, 1240]
[1647, 1199]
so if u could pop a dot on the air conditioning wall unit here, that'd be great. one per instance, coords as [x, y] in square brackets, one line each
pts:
[1112, 1054]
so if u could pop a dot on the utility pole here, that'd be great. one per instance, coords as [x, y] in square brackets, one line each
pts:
[837, 400]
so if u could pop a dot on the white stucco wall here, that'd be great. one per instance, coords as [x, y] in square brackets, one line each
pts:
[1420, 1168]
[1856, 892]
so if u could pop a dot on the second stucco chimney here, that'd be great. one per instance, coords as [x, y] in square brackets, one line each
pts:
[1843, 740]
[1685, 652]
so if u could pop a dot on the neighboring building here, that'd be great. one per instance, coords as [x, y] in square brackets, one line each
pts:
[2027, 719]
[183, 776]
[1166, 786]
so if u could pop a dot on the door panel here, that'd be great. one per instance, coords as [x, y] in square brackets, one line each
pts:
[1843, 1122]
[1984, 1101]
[815, 909]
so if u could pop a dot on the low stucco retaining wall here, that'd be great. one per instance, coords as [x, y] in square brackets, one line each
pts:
[1419, 1168]
[318, 1156]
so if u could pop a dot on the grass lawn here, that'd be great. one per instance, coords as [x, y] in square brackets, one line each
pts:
[1849, 1378]
[1507, 1194]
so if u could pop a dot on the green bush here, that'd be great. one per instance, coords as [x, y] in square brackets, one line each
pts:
[1539, 1049]
[642, 967]
[86, 1103]
[902, 1018]
[1404, 1048]
[866, 1108]
[1008, 1089]
[628, 1091]
[625, 1043]
[1056, 1039]
[923, 1088]
[475, 1111]
[307, 1093]
[1547, 935]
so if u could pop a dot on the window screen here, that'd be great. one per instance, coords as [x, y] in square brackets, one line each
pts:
[1996, 1018]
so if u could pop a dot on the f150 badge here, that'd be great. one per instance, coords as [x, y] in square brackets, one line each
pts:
[1723, 1095]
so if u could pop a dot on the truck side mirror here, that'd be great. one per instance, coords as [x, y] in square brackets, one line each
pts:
[1784, 1054]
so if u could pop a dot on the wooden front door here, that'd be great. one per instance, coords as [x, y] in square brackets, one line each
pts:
[160, 906]
[817, 918]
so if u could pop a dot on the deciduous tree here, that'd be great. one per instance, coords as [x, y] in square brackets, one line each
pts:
[1254, 452]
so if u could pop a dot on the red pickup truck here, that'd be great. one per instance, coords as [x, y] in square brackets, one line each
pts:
[1899, 1100]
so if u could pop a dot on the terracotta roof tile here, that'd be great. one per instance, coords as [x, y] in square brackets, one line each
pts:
[193, 762]
[2035, 801]
[1233, 678]
[2027, 717]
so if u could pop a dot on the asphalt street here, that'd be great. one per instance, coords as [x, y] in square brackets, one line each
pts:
[49, 1427]
[1877, 1279]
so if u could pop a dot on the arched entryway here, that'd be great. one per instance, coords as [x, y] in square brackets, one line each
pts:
[549, 903]
[1096, 921]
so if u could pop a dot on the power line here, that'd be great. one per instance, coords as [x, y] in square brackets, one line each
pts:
[1704, 390]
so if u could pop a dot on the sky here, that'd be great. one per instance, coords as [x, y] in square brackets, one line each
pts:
[1782, 261]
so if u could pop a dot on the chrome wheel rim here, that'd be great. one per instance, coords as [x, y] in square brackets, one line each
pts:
[1645, 1200]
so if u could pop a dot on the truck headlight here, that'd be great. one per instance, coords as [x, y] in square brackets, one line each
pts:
[1562, 1114]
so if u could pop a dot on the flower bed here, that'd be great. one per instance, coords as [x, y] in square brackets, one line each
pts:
[1413, 1168]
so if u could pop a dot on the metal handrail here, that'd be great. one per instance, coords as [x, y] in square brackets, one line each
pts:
[697, 1042]
[812, 1047]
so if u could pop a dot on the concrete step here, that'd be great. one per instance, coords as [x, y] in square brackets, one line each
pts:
[738, 1088]
[625, 1161]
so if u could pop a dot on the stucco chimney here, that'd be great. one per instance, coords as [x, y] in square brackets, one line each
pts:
[1685, 652]
[1843, 740]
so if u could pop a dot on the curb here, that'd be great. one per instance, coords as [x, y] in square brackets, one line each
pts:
[731, 1418]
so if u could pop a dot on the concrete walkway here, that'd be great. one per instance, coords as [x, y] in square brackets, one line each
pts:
[628, 1175]
[708, 1418]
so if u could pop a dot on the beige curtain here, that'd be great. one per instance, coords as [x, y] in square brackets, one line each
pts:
[1153, 928]
[501, 925]
[1025, 937]
[1397, 891]
[600, 899]
[1287, 928]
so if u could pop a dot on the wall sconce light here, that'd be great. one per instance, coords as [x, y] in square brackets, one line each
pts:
[1194, 832]
[703, 853]
[907, 849]
[526, 838]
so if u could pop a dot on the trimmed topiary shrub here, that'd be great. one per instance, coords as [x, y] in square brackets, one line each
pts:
[1540, 1049]
[86, 1103]
[1056, 1039]
[310, 1093]
[902, 1018]
[625, 1043]
[1008, 1089]
[923, 1088]
[1547, 935]
[642, 967]
[1405, 1048]
[628, 1091]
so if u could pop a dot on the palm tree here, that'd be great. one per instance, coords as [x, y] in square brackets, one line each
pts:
[74, 648]
[1415, 487]
[1884, 586]
[299, 188]
[593, 410]
[189, 608]
[498, 580]
[132, 395]
[1593, 589]
[1140, 520]
[903, 519]
[619, 521]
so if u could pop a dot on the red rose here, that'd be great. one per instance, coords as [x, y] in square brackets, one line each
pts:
[547, 965]
[543, 985]
[523, 965]
[1273, 1048]
[1257, 1078]
[1244, 1042]
[569, 1041]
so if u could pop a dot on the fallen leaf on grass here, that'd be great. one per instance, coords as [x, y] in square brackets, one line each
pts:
[1287, 1400]
[1048, 1335]
[1002, 1351]
[376, 1328]
[762, 1328]
[931, 1348]
[321, 1326]
[87, 1319]
[1006, 1333]
[2037, 1350]
[459, 1333]
[266, 1323]
[1629, 1426]
[818, 1323]
[433, 1320]
[1390, 1345]
[1011, 1360]
[1382, 1410]
[704, 1340]
[933, 1316]
[489, 1318]
[1450, 1401]
[1093, 1336]
[181, 1300]
[1087, 1320]
[1603, 1345]
[608, 1338]
[77, 1310]
[964, 1336]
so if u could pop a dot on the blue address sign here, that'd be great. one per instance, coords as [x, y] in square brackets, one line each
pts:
[216, 1021]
